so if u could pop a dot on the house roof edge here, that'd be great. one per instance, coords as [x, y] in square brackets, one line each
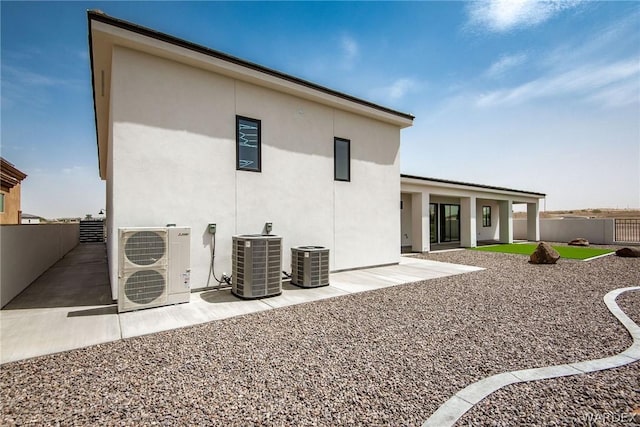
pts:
[469, 184]
[96, 15]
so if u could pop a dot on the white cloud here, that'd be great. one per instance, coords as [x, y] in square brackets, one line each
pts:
[350, 51]
[504, 64]
[581, 81]
[349, 47]
[30, 78]
[396, 90]
[21, 86]
[617, 95]
[507, 15]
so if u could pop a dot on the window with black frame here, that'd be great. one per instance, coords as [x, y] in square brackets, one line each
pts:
[342, 159]
[248, 140]
[486, 216]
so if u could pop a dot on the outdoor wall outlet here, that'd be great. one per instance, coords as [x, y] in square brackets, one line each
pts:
[268, 227]
[212, 228]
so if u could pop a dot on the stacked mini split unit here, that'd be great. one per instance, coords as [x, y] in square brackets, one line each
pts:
[154, 268]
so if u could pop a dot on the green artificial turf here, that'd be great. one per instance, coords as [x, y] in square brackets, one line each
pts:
[569, 252]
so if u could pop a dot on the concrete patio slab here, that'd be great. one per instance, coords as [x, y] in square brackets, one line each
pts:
[70, 305]
[30, 333]
[217, 305]
[292, 294]
[360, 281]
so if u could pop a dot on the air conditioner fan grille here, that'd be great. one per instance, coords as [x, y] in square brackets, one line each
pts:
[144, 286]
[144, 248]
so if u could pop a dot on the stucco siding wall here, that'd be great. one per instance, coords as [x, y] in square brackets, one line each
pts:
[406, 220]
[367, 212]
[492, 232]
[11, 213]
[27, 251]
[294, 191]
[595, 230]
[173, 161]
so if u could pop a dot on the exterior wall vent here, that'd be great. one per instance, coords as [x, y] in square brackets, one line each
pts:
[257, 265]
[310, 266]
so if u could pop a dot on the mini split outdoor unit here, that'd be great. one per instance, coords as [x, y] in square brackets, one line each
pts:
[256, 264]
[310, 266]
[154, 267]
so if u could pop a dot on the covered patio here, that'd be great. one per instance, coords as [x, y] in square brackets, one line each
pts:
[444, 214]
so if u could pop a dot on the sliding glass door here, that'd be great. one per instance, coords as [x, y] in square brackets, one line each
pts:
[433, 222]
[449, 223]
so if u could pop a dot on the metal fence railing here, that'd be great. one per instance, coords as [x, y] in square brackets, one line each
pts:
[627, 230]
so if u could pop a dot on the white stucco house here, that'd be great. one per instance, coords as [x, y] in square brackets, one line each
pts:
[436, 211]
[191, 136]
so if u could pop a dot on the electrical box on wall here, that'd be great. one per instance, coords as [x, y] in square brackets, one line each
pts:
[212, 228]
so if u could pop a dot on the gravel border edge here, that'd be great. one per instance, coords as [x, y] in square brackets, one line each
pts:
[454, 408]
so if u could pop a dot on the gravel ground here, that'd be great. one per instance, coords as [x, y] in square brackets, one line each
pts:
[605, 398]
[386, 357]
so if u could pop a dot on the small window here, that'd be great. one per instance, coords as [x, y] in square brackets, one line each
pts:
[486, 216]
[1, 202]
[342, 159]
[248, 152]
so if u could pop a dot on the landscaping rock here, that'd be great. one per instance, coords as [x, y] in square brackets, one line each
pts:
[386, 357]
[580, 241]
[544, 254]
[628, 252]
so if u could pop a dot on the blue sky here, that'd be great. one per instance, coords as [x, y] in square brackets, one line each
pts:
[540, 96]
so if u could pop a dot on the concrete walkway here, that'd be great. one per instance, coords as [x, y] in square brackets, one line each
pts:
[454, 408]
[70, 305]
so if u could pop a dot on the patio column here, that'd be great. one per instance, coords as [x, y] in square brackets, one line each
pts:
[468, 236]
[533, 221]
[420, 222]
[506, 221]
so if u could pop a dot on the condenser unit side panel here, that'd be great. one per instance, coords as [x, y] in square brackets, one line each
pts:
[179, 270]
[256, 266]
[310, 267]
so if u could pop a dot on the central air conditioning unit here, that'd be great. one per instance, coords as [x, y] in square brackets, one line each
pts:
[310, 266]
[154, 267]
[256, 266]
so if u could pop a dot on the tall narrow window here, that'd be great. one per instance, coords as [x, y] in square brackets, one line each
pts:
[342, 159]
[248, 152]
[1, 202]
[486, 216]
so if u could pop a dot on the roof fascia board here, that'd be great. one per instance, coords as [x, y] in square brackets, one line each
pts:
[10, 171]
[146, 40]
[476, 188]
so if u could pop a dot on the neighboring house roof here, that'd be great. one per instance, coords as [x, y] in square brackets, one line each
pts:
[106, 31]
[29, 216]
[446, 182]
[10, 176]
